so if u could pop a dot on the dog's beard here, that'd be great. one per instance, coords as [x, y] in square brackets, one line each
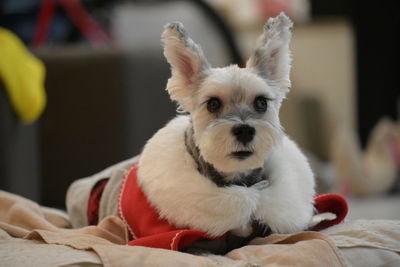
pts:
[217, 145]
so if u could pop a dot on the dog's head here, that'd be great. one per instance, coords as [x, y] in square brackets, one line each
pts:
[234, 110]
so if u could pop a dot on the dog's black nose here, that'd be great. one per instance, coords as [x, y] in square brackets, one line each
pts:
[243, 133]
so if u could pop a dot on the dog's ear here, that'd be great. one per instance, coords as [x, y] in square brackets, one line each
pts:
[187, 62]
[271, 58]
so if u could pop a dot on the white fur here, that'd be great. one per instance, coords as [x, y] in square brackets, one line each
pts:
[169, 175]
[286, 204]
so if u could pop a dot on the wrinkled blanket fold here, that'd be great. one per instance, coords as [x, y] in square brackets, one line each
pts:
[31, 235]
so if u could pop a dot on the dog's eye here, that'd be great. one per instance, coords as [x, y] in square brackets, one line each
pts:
[214, 104]
[260, 104]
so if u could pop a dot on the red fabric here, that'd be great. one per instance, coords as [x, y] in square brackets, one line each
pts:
[173, 240]
[330, 203]
[94, 202]
[148, 229]
[84, 22]
[77, 14]
[44, 18]
[144, 223]
[132, 194]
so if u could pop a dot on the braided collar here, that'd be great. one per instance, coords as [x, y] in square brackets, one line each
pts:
[220, 179]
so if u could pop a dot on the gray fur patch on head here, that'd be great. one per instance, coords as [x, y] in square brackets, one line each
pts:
[242, 114]
[238, 95]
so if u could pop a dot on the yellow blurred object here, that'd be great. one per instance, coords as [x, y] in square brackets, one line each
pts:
[22, 75]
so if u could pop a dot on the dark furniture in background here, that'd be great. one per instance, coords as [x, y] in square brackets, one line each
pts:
[19, 163]
[377, 28]
[103, 106]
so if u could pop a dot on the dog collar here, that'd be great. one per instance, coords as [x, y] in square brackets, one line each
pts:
[208, 170]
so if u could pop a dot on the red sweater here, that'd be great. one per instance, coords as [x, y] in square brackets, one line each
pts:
[148, 229]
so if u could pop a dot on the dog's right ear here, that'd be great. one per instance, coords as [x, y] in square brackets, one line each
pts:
[187, 62]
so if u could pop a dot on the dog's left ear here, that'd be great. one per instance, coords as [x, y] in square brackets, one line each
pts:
[271, 58]
[187, 62]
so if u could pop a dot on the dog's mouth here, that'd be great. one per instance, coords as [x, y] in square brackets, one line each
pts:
[241, 155]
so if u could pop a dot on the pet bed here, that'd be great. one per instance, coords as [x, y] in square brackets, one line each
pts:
[31, 235]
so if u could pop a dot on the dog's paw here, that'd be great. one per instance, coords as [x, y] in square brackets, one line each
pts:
[261, 185]
[243, 231]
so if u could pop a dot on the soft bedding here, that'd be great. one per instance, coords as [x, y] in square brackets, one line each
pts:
[31, 235]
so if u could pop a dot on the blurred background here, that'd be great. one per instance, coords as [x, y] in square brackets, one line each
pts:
[82, 88]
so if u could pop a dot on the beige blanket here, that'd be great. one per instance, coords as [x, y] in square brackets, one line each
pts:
[31, 235]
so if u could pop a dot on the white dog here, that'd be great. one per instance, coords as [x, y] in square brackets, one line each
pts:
[227, 166]
[228, 162]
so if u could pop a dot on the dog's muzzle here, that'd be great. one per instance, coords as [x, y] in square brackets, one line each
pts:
[244, 133]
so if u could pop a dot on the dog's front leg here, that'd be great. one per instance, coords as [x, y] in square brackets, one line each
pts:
[235, 206]
[284, 210]
[247, 229]
[242, 235]
[286, 205]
